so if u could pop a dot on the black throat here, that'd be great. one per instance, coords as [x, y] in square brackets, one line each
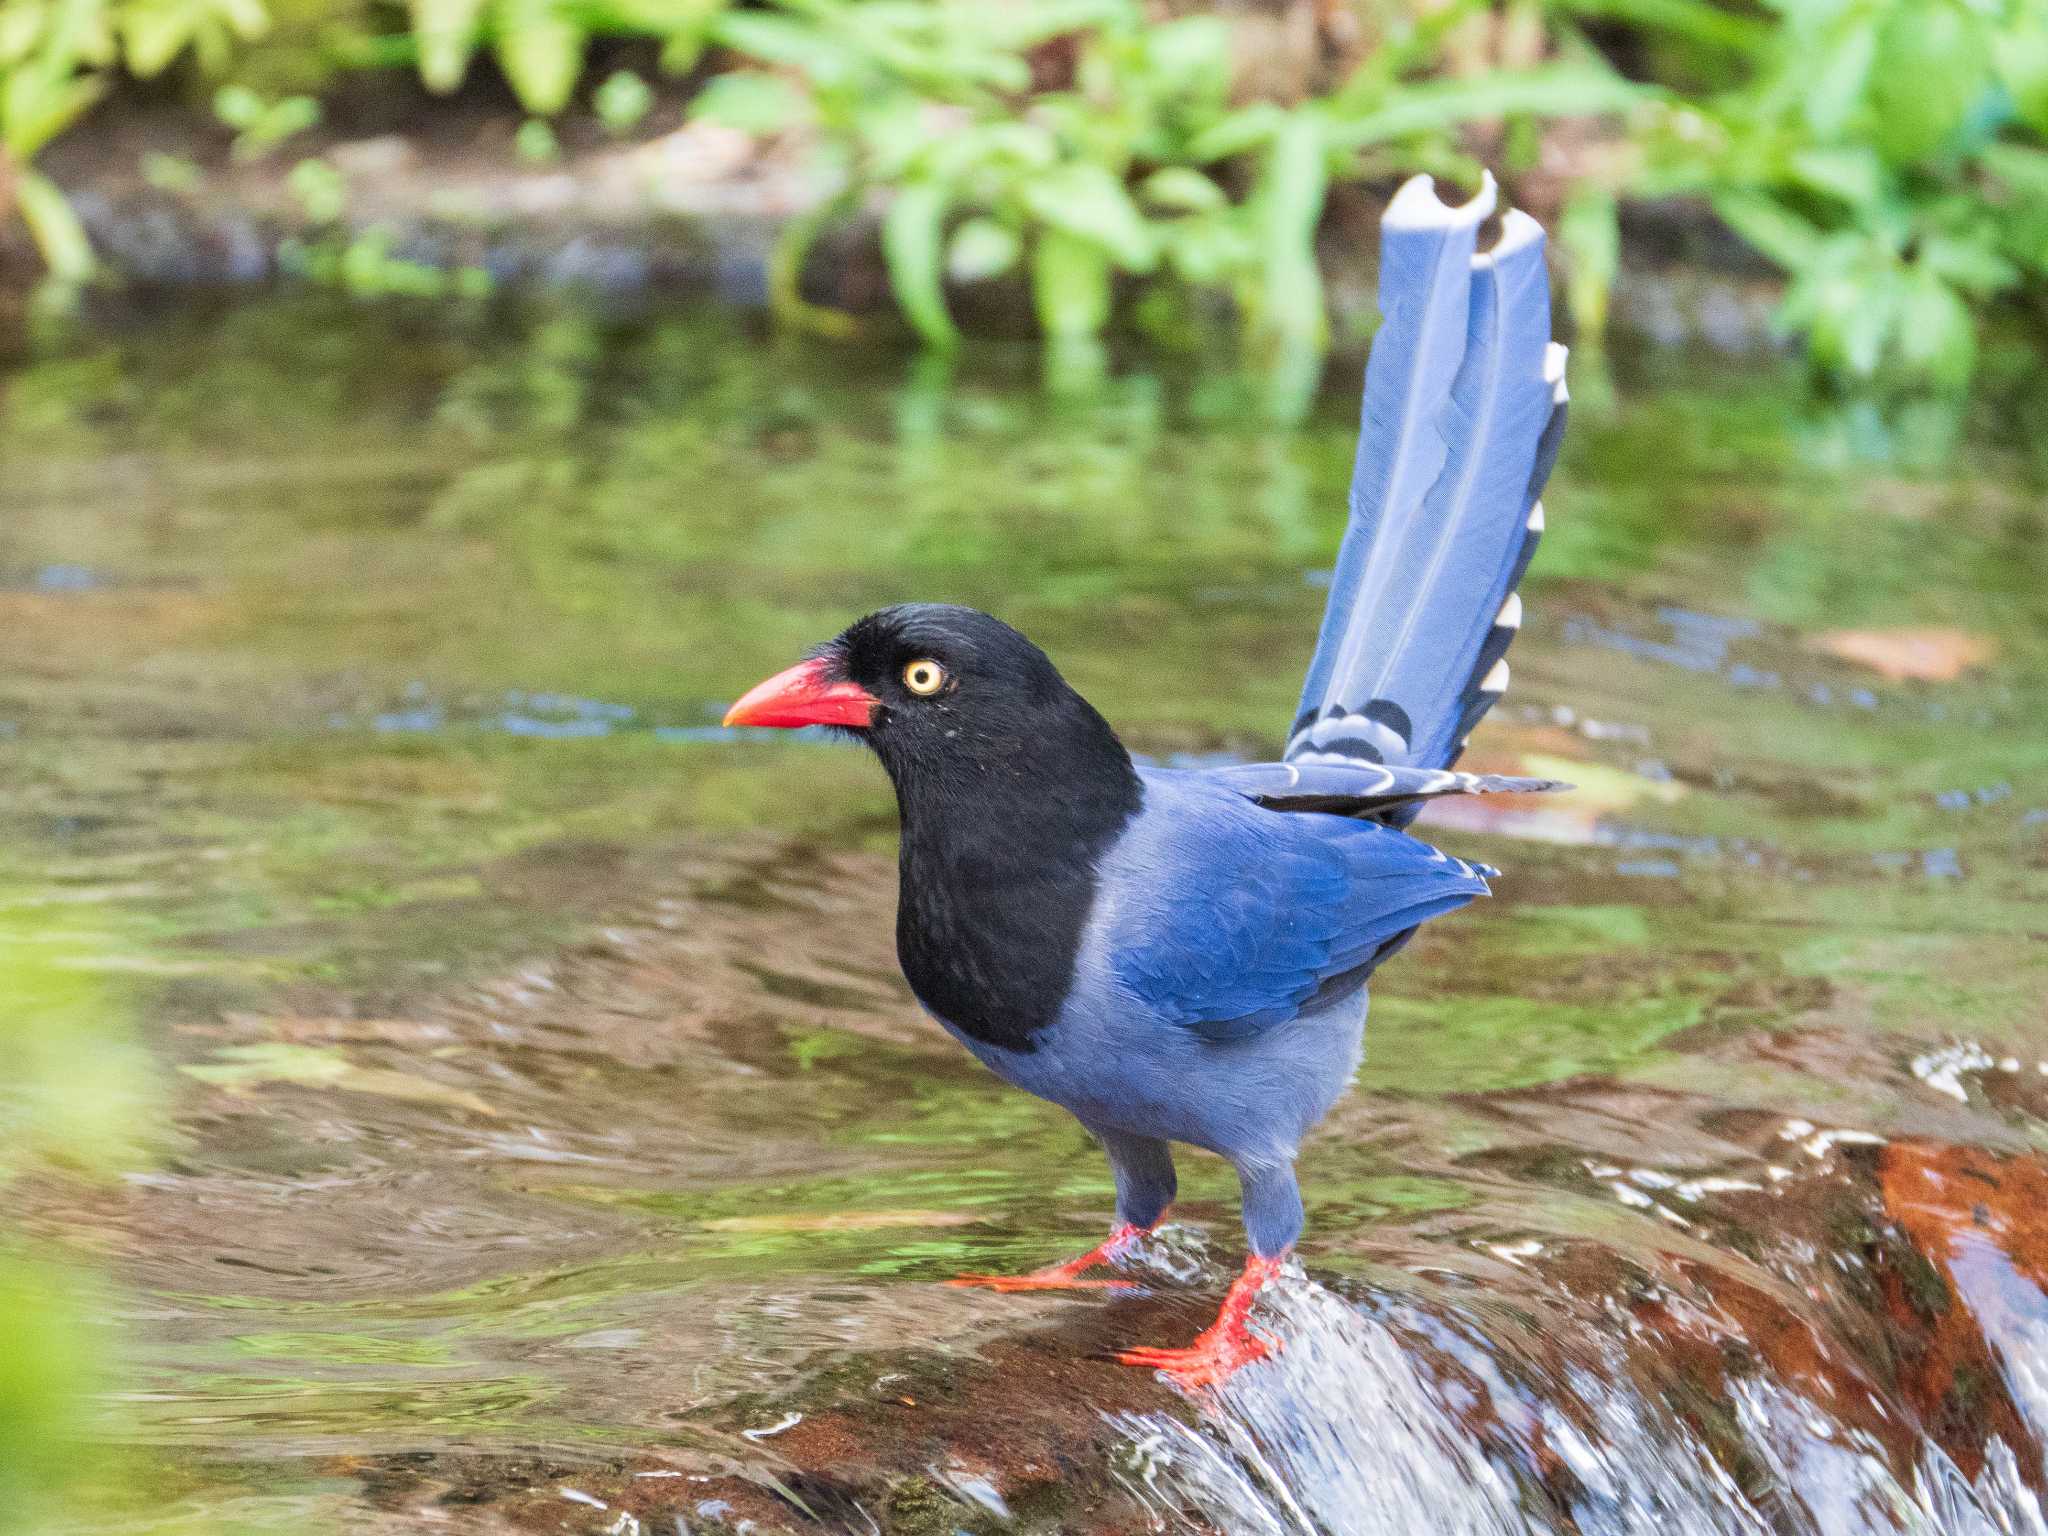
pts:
[1002, 832]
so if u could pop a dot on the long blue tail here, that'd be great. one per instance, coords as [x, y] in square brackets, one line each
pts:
[1464, 412]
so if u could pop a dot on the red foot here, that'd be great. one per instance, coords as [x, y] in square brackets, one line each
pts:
[1067, 1276]
[1225, 1346]
[1040, 1280]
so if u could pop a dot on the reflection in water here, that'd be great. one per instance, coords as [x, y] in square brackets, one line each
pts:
[550, 1113]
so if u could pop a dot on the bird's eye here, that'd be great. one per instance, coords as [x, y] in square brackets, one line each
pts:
[924, 677]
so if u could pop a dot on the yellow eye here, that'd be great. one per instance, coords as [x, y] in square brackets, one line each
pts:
[924, 678]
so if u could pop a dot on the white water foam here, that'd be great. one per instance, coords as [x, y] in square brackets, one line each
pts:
[1347, 1431]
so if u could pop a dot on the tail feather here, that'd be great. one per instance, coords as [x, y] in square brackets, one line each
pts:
[1425, 296]
[1488, 679]
[1423, 606]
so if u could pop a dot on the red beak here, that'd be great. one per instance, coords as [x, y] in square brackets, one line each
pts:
[804, 695]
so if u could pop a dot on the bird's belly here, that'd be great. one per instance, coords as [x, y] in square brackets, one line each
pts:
[1118, 1071]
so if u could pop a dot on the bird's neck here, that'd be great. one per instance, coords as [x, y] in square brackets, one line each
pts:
[998, 874]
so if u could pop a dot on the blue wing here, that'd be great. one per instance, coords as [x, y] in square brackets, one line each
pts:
[1227, 918]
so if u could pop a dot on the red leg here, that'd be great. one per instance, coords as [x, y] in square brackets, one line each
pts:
[1067, 1276]
[1225, 1345]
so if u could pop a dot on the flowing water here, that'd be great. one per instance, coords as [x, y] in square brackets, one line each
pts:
[543, 1139]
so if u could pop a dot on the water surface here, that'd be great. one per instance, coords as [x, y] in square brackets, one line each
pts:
[548, 1117]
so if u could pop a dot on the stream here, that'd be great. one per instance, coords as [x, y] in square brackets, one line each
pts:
[544, 1140]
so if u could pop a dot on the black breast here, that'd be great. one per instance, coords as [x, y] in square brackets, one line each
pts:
[992, 908]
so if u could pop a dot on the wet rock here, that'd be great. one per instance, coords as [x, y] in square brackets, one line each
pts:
[1974, 1311]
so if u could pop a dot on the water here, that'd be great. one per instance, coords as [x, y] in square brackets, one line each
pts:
[546, 1126]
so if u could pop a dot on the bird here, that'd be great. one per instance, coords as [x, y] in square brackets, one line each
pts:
[1180, 955]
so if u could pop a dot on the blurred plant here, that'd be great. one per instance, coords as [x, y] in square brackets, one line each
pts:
[55, 60]
[1141, 165]
[540, 44]
[1892, 157]
[622, 102]
[75, 1095]
[368, 265]
[321, 192]
[260, 125]
[536, 142]
[364, 263]
[171, 173]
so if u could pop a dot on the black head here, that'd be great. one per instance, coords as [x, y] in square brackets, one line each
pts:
[1011, 786]
[951, 700]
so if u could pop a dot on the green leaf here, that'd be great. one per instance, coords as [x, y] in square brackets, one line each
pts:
[1019, 28]
[622, 101]
[321, 192]
[536, 142]
[1834, 89]
[913, 240]
[446, 31]
[1189, 57]
[1183, 187]
[786, 41]
[1209, 250]
[1858, 315]
[2023, 222]
[237, 106]
[1781, 235]
[58, 235]
[1589, 230]
[1085, 201]
[541, 51]
[34, 108]
[1435, 106]
[981, 248]
[1933, 64]
[1246, 128]
[1937, 338]
[1070, 286]
[2022, 54]
[153, 33]
[1694, 20]
[21, 28]
[1288, 206]
[1971, 265]
[1855, 176]
[752, 101]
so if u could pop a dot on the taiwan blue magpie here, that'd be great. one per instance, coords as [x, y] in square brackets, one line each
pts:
[1180, 955]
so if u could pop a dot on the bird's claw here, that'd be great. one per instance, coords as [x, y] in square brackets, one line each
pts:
[1211, 1360]
[1067, 1276]
[1044, 1281]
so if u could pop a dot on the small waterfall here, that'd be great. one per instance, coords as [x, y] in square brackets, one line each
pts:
[1382, 1418]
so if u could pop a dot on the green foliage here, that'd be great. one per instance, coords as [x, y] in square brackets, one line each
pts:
[56, 57]
[368, 265]
[540, 44]
[1892, 157]
[75, 1095]
[321, 192]
[622, 102]
[1143, 166]
[536, 142]
[260, 125]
